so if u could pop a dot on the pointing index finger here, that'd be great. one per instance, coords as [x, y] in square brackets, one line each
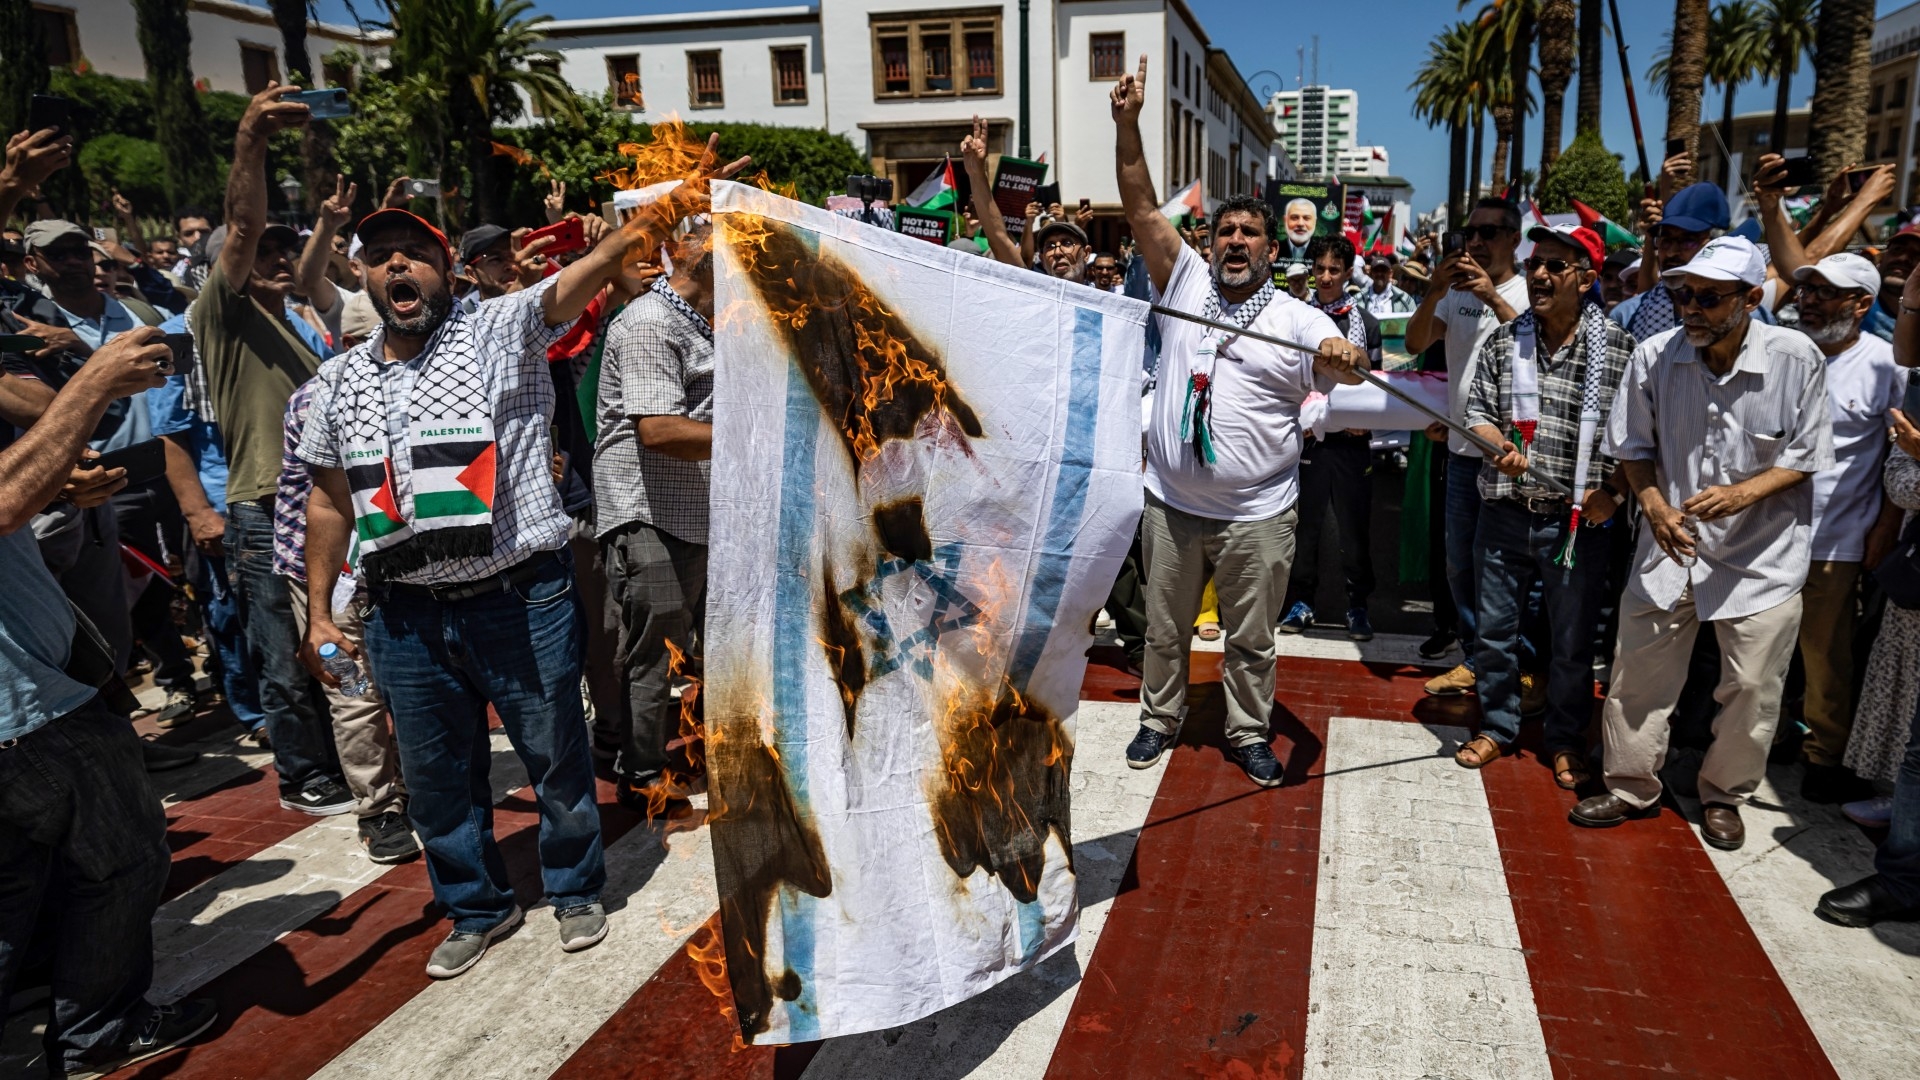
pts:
[1141, 79]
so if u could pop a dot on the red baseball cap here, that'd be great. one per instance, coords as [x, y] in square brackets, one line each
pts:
[1578, 235]
[1912, 230]
[411, 220]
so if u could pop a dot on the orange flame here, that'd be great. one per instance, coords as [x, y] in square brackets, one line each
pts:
[691, 740]
[709, 958]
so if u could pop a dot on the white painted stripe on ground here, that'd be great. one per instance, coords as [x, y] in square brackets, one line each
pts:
[1008, 1033]
[1858, 989]
[246, 907]
[1417, 967]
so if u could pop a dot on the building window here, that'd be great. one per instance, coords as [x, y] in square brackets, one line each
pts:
[703, 80]
[1109, 52]
[1900, 93]
[790, 75]
[1873, 144]
[259, 65]
[1879, 100]
[937, 56]
[58, 35]
[623, 81]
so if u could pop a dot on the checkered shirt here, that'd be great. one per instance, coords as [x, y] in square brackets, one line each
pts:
[658, 361]
[292, 490]
[1556, 441]
[511, 333]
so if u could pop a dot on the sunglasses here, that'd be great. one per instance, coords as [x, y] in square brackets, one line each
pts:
[1704, 299]
[1483, 232]
[1827, 292]
[1555, 267]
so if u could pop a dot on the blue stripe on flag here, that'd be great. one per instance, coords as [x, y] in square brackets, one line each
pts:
[792, 638]
[1069, 498]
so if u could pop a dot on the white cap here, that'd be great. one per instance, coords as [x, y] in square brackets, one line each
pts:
[1725, 258]
[1847, 270]
[1297, 269]
[1629, 270]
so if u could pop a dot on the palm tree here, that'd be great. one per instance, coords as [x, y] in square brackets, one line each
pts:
[1443, 94]
[1556, 70]
[1686, 71]
[1739, 54]
[477, 57]
[1506, 48]
[1842, 58]
[1787, 27]
[179, 126]
[1586, 115]
[23, 62]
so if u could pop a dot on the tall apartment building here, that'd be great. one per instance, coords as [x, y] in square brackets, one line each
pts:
[1320, 128]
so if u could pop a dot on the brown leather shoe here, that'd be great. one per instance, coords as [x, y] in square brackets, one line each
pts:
[1454, 683]
[1721, 826]
[1606, 811]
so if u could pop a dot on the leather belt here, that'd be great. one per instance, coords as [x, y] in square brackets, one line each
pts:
[519, 573]
[1544, 505]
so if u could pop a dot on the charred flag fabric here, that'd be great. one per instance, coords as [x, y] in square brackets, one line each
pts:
[926, 471]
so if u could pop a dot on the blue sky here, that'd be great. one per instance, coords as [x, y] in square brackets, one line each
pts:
[1373, 46]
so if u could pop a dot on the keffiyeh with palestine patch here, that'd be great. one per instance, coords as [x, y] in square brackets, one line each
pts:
[450, 461]
[1195, 421]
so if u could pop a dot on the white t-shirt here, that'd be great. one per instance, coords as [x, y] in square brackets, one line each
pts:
[1255, 419]
[1862, 384]
[1469, 323]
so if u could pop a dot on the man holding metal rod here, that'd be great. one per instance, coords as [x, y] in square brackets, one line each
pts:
[1223, 449]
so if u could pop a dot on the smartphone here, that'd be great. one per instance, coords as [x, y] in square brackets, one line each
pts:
[326, 103]
[1799, 172]
[50, 111]
[568, 233]
[106, 235]
[144, 461]
[1086, 204]
[1858, 179]
[182, 346]
[1046, 195]
[423, 189]
[20, 343]
[1452, 243]
[1676, 146]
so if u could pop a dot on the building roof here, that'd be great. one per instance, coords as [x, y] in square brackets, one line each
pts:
[798, 13]
[245, 12]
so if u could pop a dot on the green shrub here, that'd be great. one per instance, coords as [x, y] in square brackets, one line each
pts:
[132, 166]
[1587, 171]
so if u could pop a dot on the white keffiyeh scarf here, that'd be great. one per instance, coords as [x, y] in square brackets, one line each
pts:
[1195, 421]
[1526, 399]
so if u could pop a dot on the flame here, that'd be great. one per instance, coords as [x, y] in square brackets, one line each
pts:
[520, 157]
[692, 736]
[709, 958]
[670, 154]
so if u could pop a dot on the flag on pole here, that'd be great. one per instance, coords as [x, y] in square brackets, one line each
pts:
[937, 191]
[1611, 234]
[1188, 203]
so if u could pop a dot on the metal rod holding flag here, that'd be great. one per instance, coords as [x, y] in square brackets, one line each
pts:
[1485, 447]
[1633, 106]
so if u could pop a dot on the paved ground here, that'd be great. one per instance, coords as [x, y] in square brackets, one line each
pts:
[1382, 915]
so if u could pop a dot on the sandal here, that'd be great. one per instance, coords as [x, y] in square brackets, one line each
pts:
[1209, 631]
[1479, 752]
[1570, 769]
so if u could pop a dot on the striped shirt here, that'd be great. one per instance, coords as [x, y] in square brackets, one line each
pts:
[1556, 442]
[1701, 430]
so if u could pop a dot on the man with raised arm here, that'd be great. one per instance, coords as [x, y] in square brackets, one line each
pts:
[1223, 449]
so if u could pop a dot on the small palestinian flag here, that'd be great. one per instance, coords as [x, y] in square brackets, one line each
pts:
[450, 512]
[453, 473]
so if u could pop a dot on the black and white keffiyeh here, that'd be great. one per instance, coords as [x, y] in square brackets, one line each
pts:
[1654, 315]
[1347, 308]
[1195, 421]
[1592, 333]
[451, 458]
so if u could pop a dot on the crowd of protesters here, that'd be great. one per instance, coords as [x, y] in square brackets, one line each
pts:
[476, 475]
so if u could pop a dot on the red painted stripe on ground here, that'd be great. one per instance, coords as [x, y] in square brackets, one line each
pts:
[1640, 959]
[225, 826]
[295, 1005]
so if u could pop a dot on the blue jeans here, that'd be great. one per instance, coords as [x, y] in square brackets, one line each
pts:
[1517, 550]
[1898, 860]
[1463, 521]
[300, 729]
[83, 851]
[220, 610]
[439, 665]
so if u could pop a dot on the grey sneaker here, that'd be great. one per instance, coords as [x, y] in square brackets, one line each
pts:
[462, 950]
[178, 709]
[581, 927]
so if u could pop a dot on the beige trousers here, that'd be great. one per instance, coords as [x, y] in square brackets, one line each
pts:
[1250, 562]
[1826, 650]
[368, 758]
[1650, 667]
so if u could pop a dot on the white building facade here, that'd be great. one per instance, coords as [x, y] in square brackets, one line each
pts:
[236, 45]
[903, 79]
[1320, 127]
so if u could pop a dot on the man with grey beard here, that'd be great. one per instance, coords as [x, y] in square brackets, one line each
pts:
[1223, 450]
[1854, 524]
[1717, 426]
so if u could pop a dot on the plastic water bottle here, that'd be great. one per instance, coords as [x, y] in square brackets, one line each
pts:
[338, 664]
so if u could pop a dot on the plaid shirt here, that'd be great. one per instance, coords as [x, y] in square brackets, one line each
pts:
[658, 361]
[511, 332]
[1556, 442]
[292, 490]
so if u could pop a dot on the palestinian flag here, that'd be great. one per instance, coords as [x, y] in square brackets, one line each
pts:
[451, 515]
[376, 512]
[453, 473]
[1611, 234]
[938, 191]
[1189, 203]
